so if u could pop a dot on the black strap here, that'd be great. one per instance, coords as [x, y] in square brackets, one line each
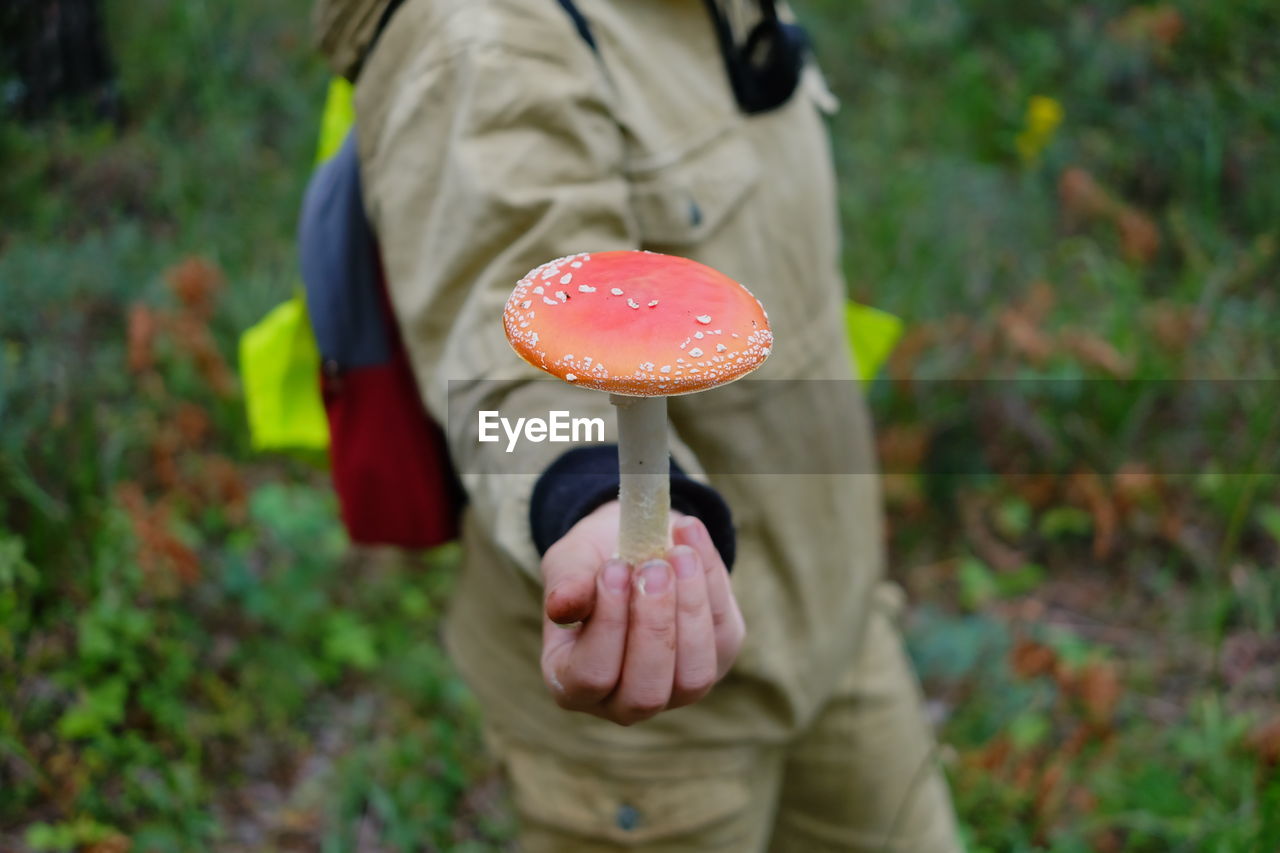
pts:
[574, 13]
[580, 22]
[765, 70]
[382, 22]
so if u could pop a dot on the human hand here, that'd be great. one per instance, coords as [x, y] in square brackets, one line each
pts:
[652, 639]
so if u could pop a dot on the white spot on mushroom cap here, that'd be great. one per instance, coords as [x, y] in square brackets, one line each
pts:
[721, 347]
[704, 319]
[562, 296]
[549, 300]
[566, 278]
[528, 303]
[586, 288]
[616, 291]
[633, 303]
[695, 352]
[538, 290]
[570, 377]
[666, 368]
[653, 303]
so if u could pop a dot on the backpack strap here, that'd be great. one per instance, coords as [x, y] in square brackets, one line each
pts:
[765, 69]
[579, 21]
[574, 13]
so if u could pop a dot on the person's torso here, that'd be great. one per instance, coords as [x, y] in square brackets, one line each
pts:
[790, 448]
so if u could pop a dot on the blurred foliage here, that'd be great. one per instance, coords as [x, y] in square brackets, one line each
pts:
[1073, 207]
[1071, 202]
[184, 661]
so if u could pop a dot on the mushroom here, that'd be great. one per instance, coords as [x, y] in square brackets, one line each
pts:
[641, 326]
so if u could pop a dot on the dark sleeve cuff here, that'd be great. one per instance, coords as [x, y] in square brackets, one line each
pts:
[586, 478]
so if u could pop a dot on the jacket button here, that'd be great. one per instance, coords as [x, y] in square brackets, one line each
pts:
[628, 817]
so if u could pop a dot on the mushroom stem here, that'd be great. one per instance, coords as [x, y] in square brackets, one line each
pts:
[644, 486]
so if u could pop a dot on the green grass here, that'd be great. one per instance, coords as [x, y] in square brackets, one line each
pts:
[1099, 646]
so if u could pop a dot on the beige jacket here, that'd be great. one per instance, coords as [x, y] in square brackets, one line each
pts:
[492, 139]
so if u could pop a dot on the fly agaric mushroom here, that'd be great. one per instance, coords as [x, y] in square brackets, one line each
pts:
[641, 326]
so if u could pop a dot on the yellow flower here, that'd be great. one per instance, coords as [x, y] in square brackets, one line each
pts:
[1044, 114]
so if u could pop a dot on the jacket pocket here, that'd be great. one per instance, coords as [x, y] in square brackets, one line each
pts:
[586, 805]
[686, 200]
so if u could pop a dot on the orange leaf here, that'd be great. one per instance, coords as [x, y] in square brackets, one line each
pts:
[192, 424]
[1174, 326]
[1023, 336]
[1099, 690]
[1134, 485]
[1093, 351]
[192, 335]
[166, 444]
[1264, 739]
[161, 555]
[1083, 199]
[195, 281]
[227, 487]
[111, 844]
[994, 755]
[141, 338]
[1087, 491]
[1038, 490]
[1139, 236]
[1159, 26]
[903, 447]
[1030, 659]
[1082, 800]
[1039, 301]
[1048, 794]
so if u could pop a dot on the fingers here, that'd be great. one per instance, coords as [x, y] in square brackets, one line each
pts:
[569, 570]
[695, 635]
[644, 687]
[582, 666]
[726, 618]
[653, 638]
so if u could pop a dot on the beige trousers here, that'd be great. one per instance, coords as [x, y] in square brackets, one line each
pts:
[862, 777]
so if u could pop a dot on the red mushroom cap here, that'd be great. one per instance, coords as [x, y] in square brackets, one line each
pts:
[637, 323]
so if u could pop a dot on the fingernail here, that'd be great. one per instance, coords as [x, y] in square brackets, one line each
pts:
[654, 578]
[685, 561]
[687, 523]
[695, 530]
[616, 576]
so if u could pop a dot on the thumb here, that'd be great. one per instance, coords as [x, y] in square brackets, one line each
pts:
[569, 571]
